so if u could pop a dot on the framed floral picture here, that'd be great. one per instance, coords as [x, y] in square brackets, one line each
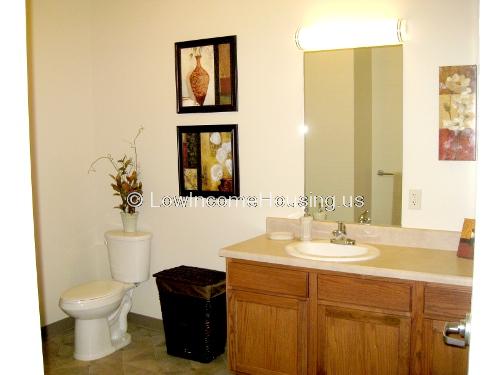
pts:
[208, 160]
[457, 112]
[206, 75]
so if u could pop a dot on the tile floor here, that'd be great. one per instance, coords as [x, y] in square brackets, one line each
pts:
[145, 355]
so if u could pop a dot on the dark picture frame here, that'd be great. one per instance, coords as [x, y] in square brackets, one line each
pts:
[206, 75]
[208, 160]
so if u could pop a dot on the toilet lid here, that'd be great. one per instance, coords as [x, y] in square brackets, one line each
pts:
[93, 290]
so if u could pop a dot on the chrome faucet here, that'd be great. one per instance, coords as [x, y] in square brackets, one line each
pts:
[364, 218]
[339, 236]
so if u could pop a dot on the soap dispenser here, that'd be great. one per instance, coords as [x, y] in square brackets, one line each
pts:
[306, 226]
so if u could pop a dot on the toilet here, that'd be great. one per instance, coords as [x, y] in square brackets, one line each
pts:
[100, 308]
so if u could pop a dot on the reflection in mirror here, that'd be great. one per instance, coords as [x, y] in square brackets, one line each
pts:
[354, 113]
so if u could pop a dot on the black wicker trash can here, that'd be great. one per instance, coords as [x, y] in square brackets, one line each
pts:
[193, 306]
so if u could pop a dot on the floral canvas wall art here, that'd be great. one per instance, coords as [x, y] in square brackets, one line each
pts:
[208, 160]
[457, 112]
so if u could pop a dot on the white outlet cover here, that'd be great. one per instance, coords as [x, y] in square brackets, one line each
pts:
[415, 199]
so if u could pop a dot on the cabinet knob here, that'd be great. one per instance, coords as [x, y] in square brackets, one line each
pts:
[461, 328]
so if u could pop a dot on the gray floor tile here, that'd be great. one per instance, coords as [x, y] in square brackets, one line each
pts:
[145, 355]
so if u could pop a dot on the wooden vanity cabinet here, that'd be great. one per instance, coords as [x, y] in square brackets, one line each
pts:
[285, 320]
[363, 326]
[267, 320]
[443, 303]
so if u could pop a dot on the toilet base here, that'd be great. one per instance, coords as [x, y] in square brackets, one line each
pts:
[93, 340]
[122, 341]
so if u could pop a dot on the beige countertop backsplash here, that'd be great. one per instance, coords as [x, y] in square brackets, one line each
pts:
[410, 237]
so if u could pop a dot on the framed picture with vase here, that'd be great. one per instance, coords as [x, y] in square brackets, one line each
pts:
[208, 160]
[206, 75]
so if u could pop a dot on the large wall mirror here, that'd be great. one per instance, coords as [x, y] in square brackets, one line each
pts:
[353, 147]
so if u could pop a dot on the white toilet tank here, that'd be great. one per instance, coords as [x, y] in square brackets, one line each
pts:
[129, 255]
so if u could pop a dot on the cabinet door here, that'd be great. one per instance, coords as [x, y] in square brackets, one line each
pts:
[267, 334]
[362, 343]
[442, 359]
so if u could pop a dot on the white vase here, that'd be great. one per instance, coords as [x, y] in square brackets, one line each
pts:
[129, 221]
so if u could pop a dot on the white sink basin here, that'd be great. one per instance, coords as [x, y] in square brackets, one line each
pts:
[328, 252]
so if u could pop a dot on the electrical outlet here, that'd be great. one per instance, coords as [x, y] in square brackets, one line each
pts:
[415, 199]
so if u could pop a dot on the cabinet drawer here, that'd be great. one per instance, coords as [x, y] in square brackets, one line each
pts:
[364, 292]
[447, 300]
[267, 279]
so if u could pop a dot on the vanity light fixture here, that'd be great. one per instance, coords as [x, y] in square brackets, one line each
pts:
[351, 34]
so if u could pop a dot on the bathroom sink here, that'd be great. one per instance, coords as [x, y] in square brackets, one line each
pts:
[328, 252]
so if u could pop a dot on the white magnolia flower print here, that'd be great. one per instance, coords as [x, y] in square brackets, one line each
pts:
[458, 83]
[463, 102]
[215, 138]
[221, 155]
[461, 106]
[229, 166]
[455, 124]
[227, 146]
[216, 172]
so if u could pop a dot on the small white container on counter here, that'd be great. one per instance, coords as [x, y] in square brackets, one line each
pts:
[280, 236]
[306, 227]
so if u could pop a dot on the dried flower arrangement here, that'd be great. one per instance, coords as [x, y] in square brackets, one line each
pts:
[126, 182]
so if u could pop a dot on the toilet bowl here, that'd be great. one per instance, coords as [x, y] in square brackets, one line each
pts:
[100, 308]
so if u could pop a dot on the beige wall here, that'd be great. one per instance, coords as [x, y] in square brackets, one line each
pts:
[448, 188]
[63, 143]
[102, 69]
[134, 84]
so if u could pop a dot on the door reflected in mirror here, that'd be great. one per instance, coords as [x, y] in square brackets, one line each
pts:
[354, 146]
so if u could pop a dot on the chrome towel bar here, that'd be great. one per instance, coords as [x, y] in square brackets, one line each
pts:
[381, 172]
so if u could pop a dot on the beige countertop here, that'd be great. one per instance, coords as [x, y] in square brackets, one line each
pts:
[409, 263]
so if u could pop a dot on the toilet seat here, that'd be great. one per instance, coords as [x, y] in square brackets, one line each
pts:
[93, 290]
[94, 294]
